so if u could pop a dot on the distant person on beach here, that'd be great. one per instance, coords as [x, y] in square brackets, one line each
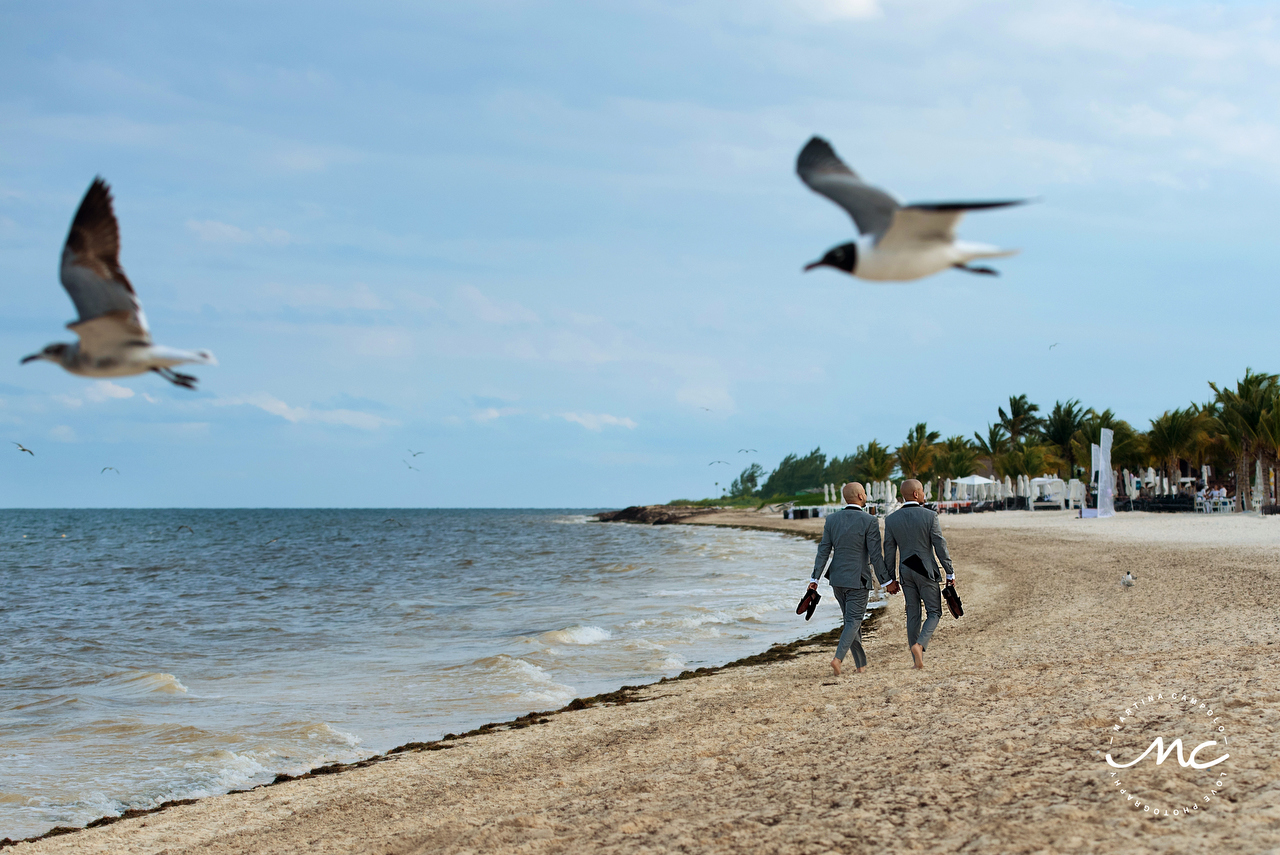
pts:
[914, 532]
[854, 536]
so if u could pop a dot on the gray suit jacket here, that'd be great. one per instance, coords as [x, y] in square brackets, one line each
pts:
[914, 530]
[855, 537]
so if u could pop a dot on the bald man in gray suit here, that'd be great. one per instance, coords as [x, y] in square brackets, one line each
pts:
[913, 530]
[854, 536]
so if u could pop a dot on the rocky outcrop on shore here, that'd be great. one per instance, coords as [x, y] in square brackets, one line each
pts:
[654, 514]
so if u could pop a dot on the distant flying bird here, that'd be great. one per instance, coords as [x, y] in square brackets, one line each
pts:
[714, 462]
[187, 527]
[394, 520]
[745, 450]
[22, 447]
[271, 541]
[414, 468]
[114, 339]
[898, 242]
[112, 468]
[413, 453]
[708, 409]
[1052, 346]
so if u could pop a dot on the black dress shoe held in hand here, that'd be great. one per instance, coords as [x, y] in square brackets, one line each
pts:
[808, 603]
[953, 601]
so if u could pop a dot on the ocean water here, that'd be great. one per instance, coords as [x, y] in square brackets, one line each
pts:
[150, 655]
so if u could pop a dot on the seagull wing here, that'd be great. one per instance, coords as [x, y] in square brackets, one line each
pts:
[824, 172]
[930, 222]
[91, 270]
[107, 333]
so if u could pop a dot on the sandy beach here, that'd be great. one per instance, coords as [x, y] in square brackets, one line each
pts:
[997, 746]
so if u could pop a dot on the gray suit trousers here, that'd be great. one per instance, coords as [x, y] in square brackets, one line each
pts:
[853, 603]
[920, 590]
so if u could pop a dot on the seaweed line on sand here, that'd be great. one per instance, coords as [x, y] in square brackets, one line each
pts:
[620, 697]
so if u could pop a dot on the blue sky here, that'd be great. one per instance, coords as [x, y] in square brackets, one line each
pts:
[558, 246]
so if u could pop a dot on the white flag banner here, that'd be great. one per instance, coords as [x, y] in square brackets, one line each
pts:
[1106, 477]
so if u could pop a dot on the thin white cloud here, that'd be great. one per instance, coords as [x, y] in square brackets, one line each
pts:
[217, 232]
[62, 433]
[596, 421]
[96, 393]
[838, 10]
[105, 390]
[299, 415]
[495, 311]
[488, 414]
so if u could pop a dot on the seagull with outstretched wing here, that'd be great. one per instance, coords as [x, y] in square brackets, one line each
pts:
[898, 242]
[112, 468]
[413, 453]
[114, 338]
[22, 448]
[746, 450]
[714, 462]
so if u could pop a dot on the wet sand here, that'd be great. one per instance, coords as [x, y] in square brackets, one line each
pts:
[995, 747]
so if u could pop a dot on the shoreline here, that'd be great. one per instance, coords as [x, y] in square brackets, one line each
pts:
[994, 747]
[621, 696]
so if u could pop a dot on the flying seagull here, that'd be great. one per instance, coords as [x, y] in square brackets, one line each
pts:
[414, 468]
[745, 450]
[114, 339]
[714, 462]
[22, 447]
[898, 242]
[187, 527]
[394, 520]
[1052, 346]
[112, 468]
[413, 453]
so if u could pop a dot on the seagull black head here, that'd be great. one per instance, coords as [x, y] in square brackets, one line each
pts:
[53, 353]
[843, 257]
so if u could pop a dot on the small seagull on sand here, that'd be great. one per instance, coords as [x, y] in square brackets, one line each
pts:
[714, 462]
[899, 242]
[112, 468]
[114, 339]
[413, 453]
[1128, 579]
[414, 468]
[187, 527]
[22, 447]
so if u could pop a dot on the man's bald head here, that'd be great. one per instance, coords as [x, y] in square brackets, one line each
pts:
[854, 494]
[912, 491]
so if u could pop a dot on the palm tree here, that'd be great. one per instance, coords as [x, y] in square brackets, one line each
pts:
[1172, 437]
[1058, 429]
[1027, 459]
[1243, 409]
[955, 458]
[872, 462]
[1128, 447]
[993, 445]
[1021, 420]
[916, 453]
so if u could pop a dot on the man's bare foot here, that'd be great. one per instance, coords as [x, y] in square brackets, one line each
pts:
[835, 666]
[917, 654]
[859, 670]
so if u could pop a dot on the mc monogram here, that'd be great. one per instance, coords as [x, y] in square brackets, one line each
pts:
[1163, 753]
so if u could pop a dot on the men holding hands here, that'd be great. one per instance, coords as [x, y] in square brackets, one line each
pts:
[853, 536]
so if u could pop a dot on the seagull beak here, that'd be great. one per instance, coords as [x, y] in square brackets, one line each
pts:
[32, 358]
[809, 267]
